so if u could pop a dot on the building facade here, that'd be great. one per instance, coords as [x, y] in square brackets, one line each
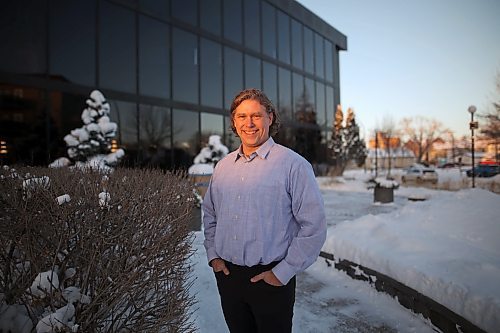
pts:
[169, 70]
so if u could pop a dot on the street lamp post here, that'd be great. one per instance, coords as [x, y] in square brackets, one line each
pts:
[473, 125]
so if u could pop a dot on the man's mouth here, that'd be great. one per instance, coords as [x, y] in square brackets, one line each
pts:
[250, 132]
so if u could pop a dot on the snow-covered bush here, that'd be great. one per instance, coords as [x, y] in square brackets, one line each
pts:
[382, 183]
[208, 157]
[90, 145]
[203, 167]
[85, 252]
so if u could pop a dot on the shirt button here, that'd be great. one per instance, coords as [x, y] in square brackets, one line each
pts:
[234, 237]
[239, 196]
[242, 178]
[235, 217]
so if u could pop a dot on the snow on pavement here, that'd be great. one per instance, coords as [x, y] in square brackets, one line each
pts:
[446, 247]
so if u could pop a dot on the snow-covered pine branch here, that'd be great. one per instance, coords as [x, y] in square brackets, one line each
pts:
[90, 145]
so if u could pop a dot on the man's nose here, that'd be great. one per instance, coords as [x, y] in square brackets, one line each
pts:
[249, 121]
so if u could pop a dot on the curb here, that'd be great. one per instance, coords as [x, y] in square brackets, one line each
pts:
[439, 315]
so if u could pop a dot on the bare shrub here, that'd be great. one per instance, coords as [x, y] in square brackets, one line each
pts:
[114, 247]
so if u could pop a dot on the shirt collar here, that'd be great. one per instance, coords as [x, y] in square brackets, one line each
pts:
[262, 151]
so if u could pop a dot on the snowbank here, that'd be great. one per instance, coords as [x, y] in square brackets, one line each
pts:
[447, 248]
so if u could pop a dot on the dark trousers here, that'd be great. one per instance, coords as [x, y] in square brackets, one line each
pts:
[255, 307]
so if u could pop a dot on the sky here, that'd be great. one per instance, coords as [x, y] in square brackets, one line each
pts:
[431, 58]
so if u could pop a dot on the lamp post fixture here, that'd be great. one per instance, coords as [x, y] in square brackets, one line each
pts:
[473, 125]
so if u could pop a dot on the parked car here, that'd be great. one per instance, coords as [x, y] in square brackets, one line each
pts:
[419, 173]
[450, 165]
[484, 170]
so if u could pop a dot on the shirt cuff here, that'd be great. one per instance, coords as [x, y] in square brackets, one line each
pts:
[211, 255]
[284, 271]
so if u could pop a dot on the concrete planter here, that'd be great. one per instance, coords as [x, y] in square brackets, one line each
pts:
[195, 221]
[383, 194]
[201, 183]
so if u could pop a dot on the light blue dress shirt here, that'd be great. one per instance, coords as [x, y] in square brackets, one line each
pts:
[265, 208]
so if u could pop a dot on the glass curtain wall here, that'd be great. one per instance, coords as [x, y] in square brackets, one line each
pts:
[169, 69]
[117, 48]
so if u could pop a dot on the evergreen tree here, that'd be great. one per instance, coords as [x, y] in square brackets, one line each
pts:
[337, 141]
[355, 147]
[91, 144]
[346, 144]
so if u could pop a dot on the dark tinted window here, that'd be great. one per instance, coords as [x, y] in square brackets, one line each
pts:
[124, 114]
[297, 45]
[336, 76]
[211, 73]
[233, 74]
[298, 89]
[72, 40]
[233, 29]
[330, 106]
[66, 113]
[186, 135]
[22, 33]
[252, 72]
[210, 16]
[270, 82]
[269, 29]
[310, 92]
[328, 61]
[129, 3]
[185, 66]
[284, 37]
[252, 24]
[230, 139]
[155, 127]
[160, 9]
[154, 69]
[185, 10]
[319, 56]
[117, 48]
[320, 104]
[285, 92]
[211, 124]
[23, 125]
[155, 131]
[308, 50]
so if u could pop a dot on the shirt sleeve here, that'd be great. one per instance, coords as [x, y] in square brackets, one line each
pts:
[209, 223]
[308, 211]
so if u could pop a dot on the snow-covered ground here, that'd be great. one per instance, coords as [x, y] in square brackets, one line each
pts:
[447, 247]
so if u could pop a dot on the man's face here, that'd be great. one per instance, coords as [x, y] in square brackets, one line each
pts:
[252, 124]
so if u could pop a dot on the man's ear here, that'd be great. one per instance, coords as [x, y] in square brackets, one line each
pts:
[271, 116]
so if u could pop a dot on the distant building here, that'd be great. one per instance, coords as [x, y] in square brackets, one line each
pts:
[459, 151]
[385, 152]
[492, 151]
[169, 70]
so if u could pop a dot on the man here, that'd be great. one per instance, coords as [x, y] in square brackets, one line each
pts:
[264, 221]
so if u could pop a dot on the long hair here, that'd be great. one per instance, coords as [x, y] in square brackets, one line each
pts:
[259, 96]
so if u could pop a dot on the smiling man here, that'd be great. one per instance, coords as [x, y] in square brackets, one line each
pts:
[264, 221]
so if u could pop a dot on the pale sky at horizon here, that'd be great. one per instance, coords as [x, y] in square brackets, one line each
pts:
[431, 58]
